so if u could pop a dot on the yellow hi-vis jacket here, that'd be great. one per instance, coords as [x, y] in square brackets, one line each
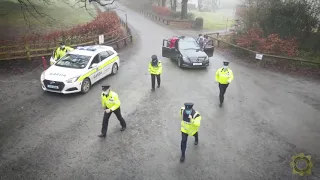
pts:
[155, 70]
[191, 127]
[224, 76]
[111, 102]
[59, 53]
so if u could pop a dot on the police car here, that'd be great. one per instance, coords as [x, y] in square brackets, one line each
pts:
[79, 69]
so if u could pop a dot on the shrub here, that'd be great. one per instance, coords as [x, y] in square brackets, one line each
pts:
[190, 16]
[162, 11]
[176, 14]
[273, 44]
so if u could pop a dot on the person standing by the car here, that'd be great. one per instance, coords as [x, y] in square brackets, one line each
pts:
[224, 76]
[173, 42]
[111, 104]
[190, 123]
[61, 51]
[205, 40]
[200, 41]
[155, 69]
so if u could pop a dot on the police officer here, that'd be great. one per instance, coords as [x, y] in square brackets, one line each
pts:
[61, 51]
[155, 69]
[224, 76]
[190, 123]
[111, 103]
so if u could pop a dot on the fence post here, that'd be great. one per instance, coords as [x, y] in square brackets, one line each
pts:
[27, 51]
[117, 45]
[125, 41]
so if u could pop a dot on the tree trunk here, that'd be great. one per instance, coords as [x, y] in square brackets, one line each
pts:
[200, 5]
[184, 9]
[163, 3]
[173, 5]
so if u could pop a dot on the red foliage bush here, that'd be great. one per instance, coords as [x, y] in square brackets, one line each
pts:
[162, 11]
[273, 44]
[105, 22]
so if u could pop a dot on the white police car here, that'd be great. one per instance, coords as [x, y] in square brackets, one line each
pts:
[79, 69]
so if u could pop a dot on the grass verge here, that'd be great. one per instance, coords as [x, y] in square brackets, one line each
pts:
[214, 20]
[56, 15]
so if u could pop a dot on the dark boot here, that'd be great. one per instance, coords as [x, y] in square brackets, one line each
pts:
[102, 136]
[158, 86]
[123, 128]
[196, 142]
[152, 90]
[182, 158]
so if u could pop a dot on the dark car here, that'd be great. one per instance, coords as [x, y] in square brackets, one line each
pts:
[188, 53]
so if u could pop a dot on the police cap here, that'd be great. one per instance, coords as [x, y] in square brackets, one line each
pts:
[154, 57]
[61, 43]
[226, 63]
[188, 105]
[106, 87]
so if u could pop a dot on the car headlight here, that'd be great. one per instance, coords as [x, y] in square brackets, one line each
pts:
[74, 79]
[42, 76]
[184, 58]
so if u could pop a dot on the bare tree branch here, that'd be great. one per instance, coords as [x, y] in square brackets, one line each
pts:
[102, 4]
[31, 9]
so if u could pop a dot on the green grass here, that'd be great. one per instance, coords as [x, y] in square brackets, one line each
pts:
[59, 15]
[214, 20]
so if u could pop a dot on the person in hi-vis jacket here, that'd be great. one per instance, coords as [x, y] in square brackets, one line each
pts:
[190, 124]
[155, 69]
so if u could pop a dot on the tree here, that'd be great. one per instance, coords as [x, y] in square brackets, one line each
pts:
[29, 8]
[200, 3]
[292, 18]
[173, 4]
[163, 3]
[184, 9]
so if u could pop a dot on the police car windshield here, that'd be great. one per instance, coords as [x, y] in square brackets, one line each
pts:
[74, 61]
[188, 45]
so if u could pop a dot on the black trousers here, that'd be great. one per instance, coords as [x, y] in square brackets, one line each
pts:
[222, 88]
[184, 141]
[106, 117]
[153, 79]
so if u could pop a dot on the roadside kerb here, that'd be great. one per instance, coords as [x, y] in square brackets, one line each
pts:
[266, 57]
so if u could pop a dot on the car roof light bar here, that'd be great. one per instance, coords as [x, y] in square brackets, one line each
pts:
[87, 48]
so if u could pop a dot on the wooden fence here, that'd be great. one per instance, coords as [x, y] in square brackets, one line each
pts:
[170, 22]
[268, 57]
[30, 51]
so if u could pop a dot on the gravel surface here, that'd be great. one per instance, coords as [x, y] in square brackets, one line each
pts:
[267, 118]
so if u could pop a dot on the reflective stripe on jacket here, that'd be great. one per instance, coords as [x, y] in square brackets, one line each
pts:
[111, 101]
[223, 76]
[155, 69]
[191, 127]
[59, 53]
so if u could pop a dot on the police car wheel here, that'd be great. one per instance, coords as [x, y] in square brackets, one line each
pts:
[86, 84]
[114, 68]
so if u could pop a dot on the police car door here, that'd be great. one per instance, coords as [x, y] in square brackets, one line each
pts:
[97, 74]
[106, 64]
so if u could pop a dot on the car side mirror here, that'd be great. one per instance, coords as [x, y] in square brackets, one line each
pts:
[94, 65]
